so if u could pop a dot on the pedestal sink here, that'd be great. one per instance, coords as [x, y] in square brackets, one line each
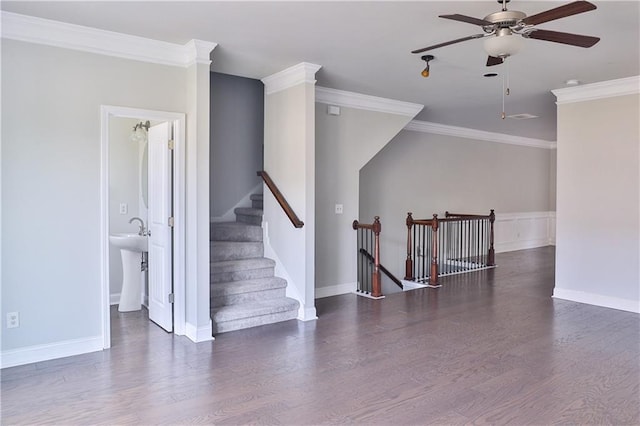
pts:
[131, 248]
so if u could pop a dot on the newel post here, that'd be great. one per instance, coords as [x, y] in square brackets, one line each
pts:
[433, 275]
[491, 258]
[377, 284]
[408, 266]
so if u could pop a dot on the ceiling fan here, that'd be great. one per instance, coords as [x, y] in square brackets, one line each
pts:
[501, 30]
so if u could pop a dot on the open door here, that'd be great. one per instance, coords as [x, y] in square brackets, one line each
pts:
[160, 232]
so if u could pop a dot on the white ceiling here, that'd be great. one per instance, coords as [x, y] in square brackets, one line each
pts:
[365, 47]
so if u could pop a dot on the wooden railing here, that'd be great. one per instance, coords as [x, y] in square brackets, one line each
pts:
[369, 272]
[454, 244]
[281, 200]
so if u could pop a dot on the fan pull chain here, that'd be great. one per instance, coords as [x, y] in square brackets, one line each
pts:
[505, 90]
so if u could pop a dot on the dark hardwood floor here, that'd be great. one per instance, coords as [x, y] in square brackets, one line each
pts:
[488, 347]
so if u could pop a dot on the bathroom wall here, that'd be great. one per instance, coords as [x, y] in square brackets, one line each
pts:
[124, 188]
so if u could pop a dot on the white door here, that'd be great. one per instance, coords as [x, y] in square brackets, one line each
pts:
[160, 233]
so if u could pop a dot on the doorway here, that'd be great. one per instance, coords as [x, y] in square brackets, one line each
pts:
[170, 184]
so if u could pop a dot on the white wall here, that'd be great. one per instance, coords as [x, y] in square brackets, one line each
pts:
[289, 158]
[51, 101]
[598, 216]
[344, 144]
[427, 173]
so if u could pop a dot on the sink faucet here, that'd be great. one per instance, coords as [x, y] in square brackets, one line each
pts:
[142, 228]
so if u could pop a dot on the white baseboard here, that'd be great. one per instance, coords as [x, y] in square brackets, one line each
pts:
[38, 353]
[230, 215]
[597, 300]
[520, 245]
[307, 314]
[114, 298]
[199, 334]
[336, 290]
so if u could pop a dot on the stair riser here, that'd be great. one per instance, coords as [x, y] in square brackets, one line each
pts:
[253, 296]
[235, 251]
[257, 204]
[247, 274]
[251, 220]
[235, 233]
[222, 327]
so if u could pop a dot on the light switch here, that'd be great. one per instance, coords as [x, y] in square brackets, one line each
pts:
[124, 209]
[339, 209]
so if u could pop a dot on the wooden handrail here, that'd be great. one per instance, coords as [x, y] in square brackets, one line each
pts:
[297, 223]
[450, 218]
[382, 268]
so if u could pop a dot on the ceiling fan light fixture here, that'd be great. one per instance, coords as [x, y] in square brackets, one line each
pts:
[502, 46]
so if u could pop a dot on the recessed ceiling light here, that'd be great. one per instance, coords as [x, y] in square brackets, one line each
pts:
[572, 82]
[490, 74]
[522, 116]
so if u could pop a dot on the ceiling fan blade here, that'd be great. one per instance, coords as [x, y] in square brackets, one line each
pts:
[467, 19]
[447, 43]
[492, 60]
[564, 38]
[559, 12]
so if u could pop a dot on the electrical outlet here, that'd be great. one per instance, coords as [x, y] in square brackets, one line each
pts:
[124, 208]
[339, 208]
[13, 320]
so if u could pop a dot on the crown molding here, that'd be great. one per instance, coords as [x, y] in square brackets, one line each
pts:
[463, 132]
[604, 89]
[77, 37]
[304, 72]
[370, 103]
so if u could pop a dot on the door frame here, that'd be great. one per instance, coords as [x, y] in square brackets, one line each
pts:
[107, 112]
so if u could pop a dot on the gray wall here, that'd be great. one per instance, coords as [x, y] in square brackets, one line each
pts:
[51, 260]
[426, 173]
[598, 227]
[237, 129]
[344, 144]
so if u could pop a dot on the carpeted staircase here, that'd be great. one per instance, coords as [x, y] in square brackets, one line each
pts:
[244, 291]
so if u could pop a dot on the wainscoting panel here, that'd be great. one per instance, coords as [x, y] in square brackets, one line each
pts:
[519, 231]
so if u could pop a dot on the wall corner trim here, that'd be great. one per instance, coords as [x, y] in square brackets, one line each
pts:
[463, 132]
[366, 102]
[303, 72]
[92, 40]
[600, 90]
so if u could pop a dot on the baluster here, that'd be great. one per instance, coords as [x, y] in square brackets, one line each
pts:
[377, 284]
[491, 261]
[408, 269]
[433, 276]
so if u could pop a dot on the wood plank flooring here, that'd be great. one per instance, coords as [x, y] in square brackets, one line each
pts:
[490, 347]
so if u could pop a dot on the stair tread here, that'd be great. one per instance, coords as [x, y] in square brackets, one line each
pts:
[247, 286]
[251, 263]
[233, 224]
[253, 309]
[248, 211]
[255, 197]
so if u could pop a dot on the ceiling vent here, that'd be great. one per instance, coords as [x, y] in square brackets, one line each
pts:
[522, 116]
